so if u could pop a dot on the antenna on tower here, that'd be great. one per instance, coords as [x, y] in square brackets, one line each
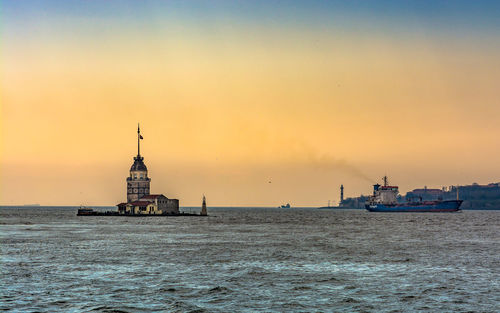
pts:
[139, 137]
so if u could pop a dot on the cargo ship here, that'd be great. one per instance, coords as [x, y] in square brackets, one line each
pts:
[385, 199]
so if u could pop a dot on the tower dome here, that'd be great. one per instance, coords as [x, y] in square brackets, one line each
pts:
[138, 164]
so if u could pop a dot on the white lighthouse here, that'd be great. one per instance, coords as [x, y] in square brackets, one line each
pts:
[204, 207]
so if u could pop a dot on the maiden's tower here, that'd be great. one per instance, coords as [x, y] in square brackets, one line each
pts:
[138, 182]
[139, 199]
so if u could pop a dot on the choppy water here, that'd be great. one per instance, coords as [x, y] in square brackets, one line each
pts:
[250, 260]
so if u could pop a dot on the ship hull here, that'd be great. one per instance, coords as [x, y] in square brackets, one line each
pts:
[429, 206]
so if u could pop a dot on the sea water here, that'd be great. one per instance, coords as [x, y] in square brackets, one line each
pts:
[250, 260]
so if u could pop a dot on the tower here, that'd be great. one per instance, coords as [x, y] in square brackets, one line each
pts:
[138, 181]
[341, 194]
[204, 207]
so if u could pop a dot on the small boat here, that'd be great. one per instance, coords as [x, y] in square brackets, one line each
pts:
[85, 211]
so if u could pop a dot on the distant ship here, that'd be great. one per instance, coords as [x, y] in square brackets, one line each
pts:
[285, 206]
[384, 199]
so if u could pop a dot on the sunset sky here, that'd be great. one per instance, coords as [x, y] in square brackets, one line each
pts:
[250, 102]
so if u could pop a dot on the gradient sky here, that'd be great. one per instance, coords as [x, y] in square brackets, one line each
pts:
[234, 95]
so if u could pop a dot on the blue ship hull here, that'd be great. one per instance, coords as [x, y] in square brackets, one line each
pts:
[428, 206]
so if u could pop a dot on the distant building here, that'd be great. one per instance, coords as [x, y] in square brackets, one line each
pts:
[477, 197]
[355, 202]
[424, 194]
[139, 201]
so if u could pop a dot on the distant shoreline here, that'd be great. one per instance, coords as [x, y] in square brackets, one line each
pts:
[101, 207]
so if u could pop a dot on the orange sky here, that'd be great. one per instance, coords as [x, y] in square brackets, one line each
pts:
[307, 109]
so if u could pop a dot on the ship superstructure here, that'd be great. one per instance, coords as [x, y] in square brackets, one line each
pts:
[385, 194]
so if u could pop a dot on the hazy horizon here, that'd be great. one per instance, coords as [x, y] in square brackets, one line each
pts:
[250, 103]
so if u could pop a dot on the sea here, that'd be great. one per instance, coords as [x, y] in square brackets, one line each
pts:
[250, 260]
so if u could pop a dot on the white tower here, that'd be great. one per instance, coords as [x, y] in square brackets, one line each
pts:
[204, 207]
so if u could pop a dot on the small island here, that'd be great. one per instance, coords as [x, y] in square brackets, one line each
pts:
[139, 201]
